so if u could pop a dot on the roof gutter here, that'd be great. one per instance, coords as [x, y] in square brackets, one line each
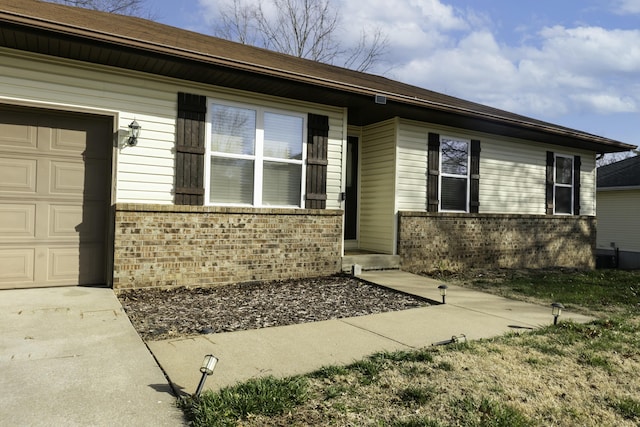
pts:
[187, 54]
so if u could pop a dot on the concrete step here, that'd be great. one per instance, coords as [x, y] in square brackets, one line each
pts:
[371, 262]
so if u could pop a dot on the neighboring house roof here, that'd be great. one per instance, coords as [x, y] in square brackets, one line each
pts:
[625, 173]
[138, 44]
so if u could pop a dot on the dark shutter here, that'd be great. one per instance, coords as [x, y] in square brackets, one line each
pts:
[433, 172]
[317, 145]
[550, 181]
[190, 149]
[474, 184]
[577, 163]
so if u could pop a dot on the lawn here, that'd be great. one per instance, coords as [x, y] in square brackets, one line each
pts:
[564, 375]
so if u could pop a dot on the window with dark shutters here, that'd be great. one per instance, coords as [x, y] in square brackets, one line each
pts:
[317, 148]
[453, 171]
[190, 149]
[563, 184]
[433, 172]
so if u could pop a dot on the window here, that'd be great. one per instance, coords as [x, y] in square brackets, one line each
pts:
[255, 156]
[563, 185]
[454, 174]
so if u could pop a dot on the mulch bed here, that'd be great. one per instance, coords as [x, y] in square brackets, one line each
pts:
[159, 314]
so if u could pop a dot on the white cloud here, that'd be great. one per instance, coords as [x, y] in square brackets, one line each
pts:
[593, 49]
[555, 71]
[625, 7]
[607, 103]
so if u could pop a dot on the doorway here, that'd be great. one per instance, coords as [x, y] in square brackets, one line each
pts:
[351, 191]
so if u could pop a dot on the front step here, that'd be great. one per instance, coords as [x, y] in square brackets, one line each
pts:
[371, 262]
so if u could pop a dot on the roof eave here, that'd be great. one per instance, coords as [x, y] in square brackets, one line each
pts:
[570, 137]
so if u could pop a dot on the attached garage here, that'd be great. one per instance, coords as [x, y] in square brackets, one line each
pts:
[55, 182]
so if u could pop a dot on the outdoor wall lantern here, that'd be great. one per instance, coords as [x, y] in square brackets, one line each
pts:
[208, 365]
[556, 310]
[134, 133]
[443, 292]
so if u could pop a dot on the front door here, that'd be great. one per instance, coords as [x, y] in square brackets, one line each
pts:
[351, 196]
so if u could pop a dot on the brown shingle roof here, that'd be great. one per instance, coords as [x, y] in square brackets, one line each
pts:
[155, 40]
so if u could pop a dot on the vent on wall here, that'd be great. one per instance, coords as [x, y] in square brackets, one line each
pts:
[380, 99]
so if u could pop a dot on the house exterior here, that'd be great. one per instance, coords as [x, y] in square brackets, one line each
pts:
[253, 165]
[618, 195]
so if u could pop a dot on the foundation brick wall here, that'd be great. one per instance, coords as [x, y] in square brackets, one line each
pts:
[169, 246]
[445, 241]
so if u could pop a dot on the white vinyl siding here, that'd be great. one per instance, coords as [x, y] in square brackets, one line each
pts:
[512, 172]
[587, 183]
[512, 177]
[618, 219]
[377, 178]
[144, 173]
[412, 174]
[334, 155]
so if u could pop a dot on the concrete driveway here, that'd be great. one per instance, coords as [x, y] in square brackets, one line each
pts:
[70, 357]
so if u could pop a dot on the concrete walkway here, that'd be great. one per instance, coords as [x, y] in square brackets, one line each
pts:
[70, 357]
[298, 349]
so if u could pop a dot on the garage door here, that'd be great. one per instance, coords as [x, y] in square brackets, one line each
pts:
[54, 198]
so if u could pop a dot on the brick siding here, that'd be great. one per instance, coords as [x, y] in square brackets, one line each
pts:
[444, 241]
[167, 246]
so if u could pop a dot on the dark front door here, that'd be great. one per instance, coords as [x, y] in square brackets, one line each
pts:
[351, 197]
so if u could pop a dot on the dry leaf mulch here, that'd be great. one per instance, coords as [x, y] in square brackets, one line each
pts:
[159, 314]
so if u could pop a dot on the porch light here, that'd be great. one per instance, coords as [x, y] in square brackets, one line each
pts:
[556, 310]
[208, 365]
[134, 133]
[443, 292]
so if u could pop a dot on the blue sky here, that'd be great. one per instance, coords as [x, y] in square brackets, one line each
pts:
[575, 63]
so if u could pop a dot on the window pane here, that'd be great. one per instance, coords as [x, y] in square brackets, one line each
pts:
[453, 194]
[281, 184]
[231, 181]
[233, 130]
[563, 200]
[454, 156]
[564, 170]
[282, 136]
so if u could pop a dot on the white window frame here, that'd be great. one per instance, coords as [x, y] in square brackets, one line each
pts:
[556, 184]
[258, 156]
[449, 175]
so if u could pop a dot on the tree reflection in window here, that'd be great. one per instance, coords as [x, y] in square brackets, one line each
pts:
[233, 130]
[455, 157]
[454, 182]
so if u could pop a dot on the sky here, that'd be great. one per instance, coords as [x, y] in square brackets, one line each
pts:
[575, 63]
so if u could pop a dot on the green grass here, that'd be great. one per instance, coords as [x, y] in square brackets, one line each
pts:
[417, 395]
[597, 290]
[341, 392]
[266, 396]
[415, 422]
[627, 407]
[488, 413]
[329, 372]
